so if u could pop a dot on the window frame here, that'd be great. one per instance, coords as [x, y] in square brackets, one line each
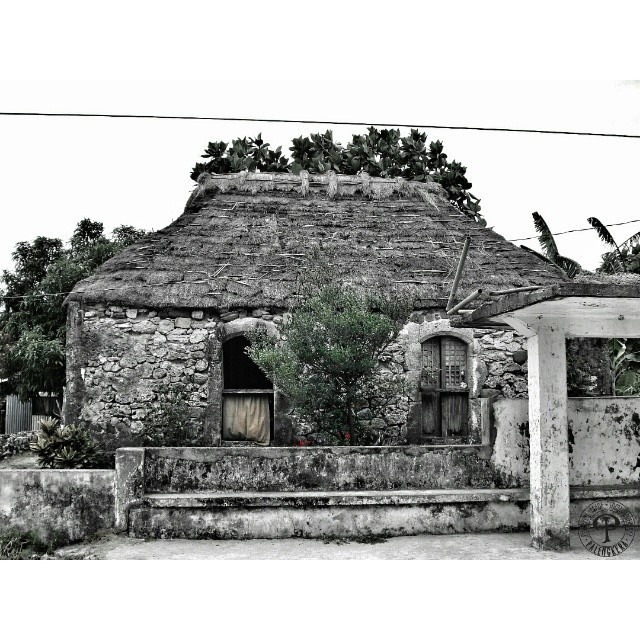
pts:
[433, 392]
[233, 391]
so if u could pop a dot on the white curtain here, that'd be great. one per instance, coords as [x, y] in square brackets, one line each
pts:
[246, 417]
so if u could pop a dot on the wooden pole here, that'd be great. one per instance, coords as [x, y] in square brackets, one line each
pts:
[504, 292]
[456, 280]
[462, 303]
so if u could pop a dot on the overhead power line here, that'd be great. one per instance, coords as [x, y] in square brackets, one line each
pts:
[560, 233]
[323, 122]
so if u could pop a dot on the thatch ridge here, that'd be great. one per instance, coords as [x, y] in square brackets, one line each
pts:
[243, 238]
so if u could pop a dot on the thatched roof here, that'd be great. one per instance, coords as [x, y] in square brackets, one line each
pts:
[243, 238]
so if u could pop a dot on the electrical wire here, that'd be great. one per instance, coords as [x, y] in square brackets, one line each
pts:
[323, 122]
[560, 233]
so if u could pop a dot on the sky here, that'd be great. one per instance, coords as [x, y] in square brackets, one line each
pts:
[369, 62]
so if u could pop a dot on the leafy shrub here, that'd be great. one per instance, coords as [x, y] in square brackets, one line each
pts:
[16, 545]
[167, 423]
[65, 447]
[381, 153]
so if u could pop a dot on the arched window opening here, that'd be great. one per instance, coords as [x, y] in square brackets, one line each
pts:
[445, 388]
[247, 394]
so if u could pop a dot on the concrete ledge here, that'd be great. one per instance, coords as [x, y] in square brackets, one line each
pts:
[604, 491]
[328, 498]
[213, 499]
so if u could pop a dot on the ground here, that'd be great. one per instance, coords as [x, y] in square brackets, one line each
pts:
[486, 546]
[20, 461]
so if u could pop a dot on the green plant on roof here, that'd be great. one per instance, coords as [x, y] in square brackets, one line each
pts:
[380, 153]
[550, 249]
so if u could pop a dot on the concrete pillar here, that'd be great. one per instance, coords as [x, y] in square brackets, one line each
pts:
[548, 431]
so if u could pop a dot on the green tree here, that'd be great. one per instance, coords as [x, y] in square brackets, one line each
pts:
[32, 319]
[327, 360]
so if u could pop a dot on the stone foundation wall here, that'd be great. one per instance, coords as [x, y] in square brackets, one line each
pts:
[120, 362]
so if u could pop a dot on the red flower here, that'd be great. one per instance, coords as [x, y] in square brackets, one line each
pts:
[301, 443]
[347, 436]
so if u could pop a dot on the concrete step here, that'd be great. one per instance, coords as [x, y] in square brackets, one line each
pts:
[347, 514]
[214, 499]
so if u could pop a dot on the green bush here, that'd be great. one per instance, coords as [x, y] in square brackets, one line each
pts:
[167, 423]
[16, 545]
[65, 447]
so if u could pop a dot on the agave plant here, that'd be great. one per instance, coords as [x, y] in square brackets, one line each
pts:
[64, 447]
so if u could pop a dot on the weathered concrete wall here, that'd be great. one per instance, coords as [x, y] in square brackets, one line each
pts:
[315, 468]
[57, 505]
[239, 492]
[604, 440]
[328, 522]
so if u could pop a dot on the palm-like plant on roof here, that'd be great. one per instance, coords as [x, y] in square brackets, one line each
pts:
[622, 257]
[550, 249]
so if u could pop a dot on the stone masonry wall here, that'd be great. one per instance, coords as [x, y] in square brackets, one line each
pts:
[12, 444]
[497, 368]
[120, 361]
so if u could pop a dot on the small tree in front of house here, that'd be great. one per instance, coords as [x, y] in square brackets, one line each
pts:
[327, 360]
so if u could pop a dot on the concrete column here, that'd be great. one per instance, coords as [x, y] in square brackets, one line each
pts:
[549, 448]
[129, 483]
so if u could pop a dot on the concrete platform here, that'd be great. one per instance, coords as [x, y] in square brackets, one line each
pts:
[485, 546]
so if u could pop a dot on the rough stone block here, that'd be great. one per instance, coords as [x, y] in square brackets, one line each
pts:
[166, 325]
[145, 326]
[199, 335]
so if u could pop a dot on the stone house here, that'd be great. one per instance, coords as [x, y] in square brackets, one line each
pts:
[175, 307]
[174, 311]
